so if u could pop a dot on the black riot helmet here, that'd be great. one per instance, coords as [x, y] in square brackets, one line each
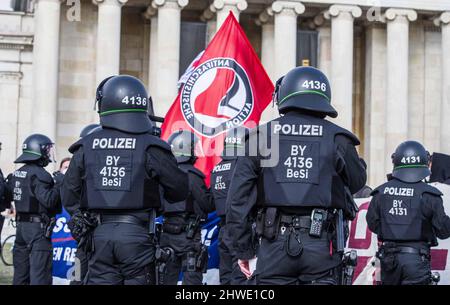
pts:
[234, 142]
[37, 147]
[91, 128]
[410, 161]
[123, 104]
[183, 144]
[304, 88]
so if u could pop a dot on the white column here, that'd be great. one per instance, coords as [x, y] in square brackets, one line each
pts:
[223, 7]
[108, 37]
[10, 82]
[45, 66]
[267, 45]
[324, 45]
[285, 34]
[342, 60]
[209, 17]
[397, 79]
[151, 13]
[168, 50]
[374, 104]
[444, 22]
[267, 57]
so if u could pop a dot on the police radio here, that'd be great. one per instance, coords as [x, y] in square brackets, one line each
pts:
[318, 216]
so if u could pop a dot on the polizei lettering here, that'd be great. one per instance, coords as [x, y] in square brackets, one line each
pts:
[399, 191]
[299, 130]
[114, 143]
[222, 167]
[20, 174]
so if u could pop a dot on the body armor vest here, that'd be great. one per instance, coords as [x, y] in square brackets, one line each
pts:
[401, 217]
[304, 174]
[220, 183]
[24, 199]
[116, 171]
[184, 205]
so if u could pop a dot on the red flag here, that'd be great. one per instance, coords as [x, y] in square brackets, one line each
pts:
[227, 88]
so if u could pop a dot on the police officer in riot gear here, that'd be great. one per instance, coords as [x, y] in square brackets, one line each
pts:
[220, 180]
[37, 201]
[81, 260]
[182, 220]
[407, 215]
[305, 171]
[4, 204]
[112, 186]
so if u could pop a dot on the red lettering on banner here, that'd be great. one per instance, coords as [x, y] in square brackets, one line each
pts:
[439, 259]
[359, 243]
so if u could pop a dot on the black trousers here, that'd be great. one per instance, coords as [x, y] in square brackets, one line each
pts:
[405, 269]
[229, 271]
[124, 254]
[182, 247]
[32, 255]
[81, 267]
[313, 265]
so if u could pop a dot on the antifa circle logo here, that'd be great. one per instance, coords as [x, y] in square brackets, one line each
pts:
[216, 97]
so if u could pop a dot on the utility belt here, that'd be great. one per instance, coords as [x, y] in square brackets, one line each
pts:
[29, 218]
[190, 225]
[387, 249]
[269, 222]
[130, 219]
[47, 223]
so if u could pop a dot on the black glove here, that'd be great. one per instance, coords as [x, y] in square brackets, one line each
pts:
[81, 224]
[58, 177]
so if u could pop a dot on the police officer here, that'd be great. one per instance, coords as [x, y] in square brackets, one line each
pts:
[182, 220]
[407, 215]
[119, 171]
[305, 169]
[81, 260]
[220, 180]
[3, 202]
[37, 201]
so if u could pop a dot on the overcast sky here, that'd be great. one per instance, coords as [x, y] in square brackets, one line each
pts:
[5, 5]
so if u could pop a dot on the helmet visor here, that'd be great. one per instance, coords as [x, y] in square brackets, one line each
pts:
[50, 152]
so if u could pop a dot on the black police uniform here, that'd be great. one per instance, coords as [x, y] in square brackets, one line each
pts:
[81, 259]
[407, 217]
[37, 200]
[116, 174]
[330, 164]
[121, 178]
[181, 229]
[3, 202]
[221, 175]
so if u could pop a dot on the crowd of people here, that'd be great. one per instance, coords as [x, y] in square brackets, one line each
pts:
[282, 222]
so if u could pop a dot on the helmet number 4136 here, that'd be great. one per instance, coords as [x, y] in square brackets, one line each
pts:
[135, 100]
[310, 84]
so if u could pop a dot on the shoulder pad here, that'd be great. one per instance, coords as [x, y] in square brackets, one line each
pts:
[155, 141]
[349, 135]
[43, 176]
[378, 189]
[75, 146]
[197, 172]
[431, 190]
[345, 132]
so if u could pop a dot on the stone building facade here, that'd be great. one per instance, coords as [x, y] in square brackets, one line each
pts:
[387, 60]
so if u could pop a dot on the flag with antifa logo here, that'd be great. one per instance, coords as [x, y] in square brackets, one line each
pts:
[227, 87]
